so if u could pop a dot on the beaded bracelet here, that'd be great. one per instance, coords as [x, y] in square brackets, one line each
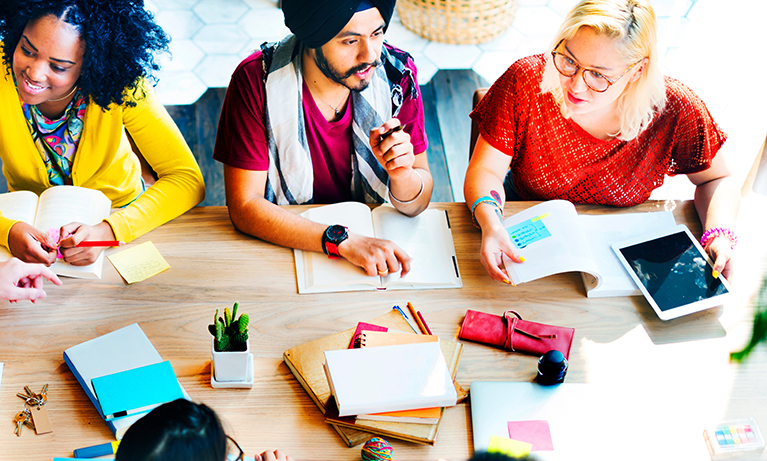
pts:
[416, 197]
[715, 232]
[491, 201]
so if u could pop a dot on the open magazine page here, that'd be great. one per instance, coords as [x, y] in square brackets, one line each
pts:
[604, 230]
[548, 236]
[427, 239]
[318, 273]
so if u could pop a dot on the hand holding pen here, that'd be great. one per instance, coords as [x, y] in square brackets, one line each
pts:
[74, 245]
[391, 146]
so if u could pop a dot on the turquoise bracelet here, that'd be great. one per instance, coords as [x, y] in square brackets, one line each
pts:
[486, 199]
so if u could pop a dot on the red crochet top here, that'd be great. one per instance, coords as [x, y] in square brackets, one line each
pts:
[554, 158]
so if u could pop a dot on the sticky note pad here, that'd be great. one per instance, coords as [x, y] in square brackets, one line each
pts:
[513, 448]
[139, 263]
[535, 432]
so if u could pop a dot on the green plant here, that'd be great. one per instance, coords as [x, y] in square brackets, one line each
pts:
[759, 333]
[230, 332]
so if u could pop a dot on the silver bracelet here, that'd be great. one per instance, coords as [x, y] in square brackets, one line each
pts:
[416, 197]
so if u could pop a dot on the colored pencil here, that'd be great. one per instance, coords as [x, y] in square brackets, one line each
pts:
[99, 243]
[425, 325]
[416, 318]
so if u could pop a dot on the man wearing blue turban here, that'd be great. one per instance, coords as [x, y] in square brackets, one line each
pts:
[329, 114]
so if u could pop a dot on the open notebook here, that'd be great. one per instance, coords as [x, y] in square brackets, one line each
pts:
[426, 238]
[54, 208]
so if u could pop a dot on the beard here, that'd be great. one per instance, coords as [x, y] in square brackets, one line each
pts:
[339, 76]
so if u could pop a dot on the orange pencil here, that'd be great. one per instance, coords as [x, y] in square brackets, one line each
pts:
[417, 318]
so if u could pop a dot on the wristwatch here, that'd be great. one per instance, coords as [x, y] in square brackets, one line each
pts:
[332, 237]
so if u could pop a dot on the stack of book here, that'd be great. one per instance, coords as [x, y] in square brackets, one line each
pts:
[123, 376]
[358, 419]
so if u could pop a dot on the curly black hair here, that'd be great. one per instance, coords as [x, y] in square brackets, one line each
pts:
[120, 37]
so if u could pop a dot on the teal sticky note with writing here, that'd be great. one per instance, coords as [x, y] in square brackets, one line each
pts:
[138, 390]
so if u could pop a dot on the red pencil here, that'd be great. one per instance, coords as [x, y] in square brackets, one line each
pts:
[99, 243]
[423, 320]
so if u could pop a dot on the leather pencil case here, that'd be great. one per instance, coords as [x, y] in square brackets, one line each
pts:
[512, 333]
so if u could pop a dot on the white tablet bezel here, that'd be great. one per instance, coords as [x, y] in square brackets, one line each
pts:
[679, 310]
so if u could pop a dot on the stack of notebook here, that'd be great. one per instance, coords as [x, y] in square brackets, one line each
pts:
[306, 362]
[123, 375]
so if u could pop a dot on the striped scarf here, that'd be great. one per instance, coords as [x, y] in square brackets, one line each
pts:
[290, 177]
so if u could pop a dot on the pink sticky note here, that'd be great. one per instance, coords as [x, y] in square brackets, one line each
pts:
[535, 432]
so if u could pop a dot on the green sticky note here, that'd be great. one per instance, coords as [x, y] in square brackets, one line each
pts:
[510, 447]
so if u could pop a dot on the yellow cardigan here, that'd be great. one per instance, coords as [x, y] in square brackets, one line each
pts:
[104, 161]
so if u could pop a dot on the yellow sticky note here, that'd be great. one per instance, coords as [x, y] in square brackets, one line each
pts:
[510, 447]
[139, 263]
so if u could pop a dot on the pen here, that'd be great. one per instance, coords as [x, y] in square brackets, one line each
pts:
[99, 243]
[407, 319]
[109, 448]
[391, 132]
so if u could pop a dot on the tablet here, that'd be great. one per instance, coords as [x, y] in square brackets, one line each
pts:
[673, 272]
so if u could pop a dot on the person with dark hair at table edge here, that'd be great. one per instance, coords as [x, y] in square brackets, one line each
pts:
[75, 89]
[595, 121]
[183, 431]
[304, 121]
[20, 280]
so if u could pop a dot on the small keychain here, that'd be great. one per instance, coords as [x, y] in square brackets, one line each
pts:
[35, 406]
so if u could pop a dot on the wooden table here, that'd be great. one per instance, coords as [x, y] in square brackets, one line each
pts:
[618, 341]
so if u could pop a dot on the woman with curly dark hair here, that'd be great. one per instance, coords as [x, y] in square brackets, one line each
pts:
[74, 89]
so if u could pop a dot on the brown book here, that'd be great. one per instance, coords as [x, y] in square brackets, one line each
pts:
[305, 362]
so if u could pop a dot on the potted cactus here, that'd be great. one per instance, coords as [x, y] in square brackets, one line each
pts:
[230, 351]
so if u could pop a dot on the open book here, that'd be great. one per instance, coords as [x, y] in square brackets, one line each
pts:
[426, 238]
[553, 238]
[54, 208]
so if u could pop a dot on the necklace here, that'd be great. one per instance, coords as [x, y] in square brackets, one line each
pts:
[331, 105]
[64, 97]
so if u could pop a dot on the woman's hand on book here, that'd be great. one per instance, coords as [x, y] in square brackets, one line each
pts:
[20, 280]
[375, 256]
[31, 245]
[276, 455]
[496, 243]
[74, 233]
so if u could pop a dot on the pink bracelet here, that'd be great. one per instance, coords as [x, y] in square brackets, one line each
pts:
[715, 232]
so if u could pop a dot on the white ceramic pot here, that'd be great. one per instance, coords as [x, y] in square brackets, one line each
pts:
[230, 366]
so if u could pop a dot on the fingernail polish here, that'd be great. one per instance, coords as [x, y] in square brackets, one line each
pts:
[715, 273]
[521, 259]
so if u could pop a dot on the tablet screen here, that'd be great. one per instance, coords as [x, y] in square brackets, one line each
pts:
[673, 271]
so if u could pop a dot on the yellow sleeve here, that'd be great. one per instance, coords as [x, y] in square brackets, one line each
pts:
[180, 185]
[5, 229]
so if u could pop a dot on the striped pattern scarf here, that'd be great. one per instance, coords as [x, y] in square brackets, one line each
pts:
[290, 178]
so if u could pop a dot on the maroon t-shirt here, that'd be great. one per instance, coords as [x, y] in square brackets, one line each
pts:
[241, 140]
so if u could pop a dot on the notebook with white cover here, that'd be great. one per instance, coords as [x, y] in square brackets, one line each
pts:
[389, 378]
[120, 350]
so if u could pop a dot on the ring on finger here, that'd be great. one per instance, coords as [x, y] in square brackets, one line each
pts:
[382, 273]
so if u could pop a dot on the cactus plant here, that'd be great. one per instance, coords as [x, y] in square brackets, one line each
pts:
[230, 332]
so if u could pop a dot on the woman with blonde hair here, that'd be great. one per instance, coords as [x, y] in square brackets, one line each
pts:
[595, 121]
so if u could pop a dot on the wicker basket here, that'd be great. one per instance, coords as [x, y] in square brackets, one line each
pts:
[457, 21]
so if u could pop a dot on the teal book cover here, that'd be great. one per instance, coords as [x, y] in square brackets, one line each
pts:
[137, 390]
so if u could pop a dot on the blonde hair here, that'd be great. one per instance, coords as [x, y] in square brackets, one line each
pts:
[631, 23]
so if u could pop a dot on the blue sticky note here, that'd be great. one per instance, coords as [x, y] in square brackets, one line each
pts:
[527, 232]
[136, 391]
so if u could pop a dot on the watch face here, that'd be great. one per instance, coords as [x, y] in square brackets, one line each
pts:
[336, 233]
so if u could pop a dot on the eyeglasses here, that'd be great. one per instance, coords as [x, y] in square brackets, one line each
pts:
[241, 456]
[593, 79]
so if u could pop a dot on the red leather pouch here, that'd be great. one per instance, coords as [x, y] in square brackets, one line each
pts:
[514, 334]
